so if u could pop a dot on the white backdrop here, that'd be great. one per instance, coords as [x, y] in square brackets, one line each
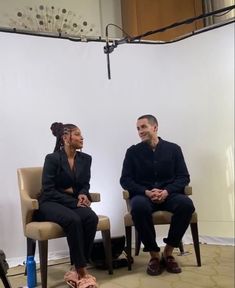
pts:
[188, 85]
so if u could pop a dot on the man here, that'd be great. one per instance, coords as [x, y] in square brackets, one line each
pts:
[155, 174]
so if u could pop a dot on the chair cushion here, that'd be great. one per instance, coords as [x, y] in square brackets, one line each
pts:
[50, 230]
[43, 230]
[164, 217]
[159, 217]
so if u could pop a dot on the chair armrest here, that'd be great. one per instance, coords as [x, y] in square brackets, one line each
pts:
[125, 194]
[188, 190]
[28, 206]
[95, 197]
[27, 202]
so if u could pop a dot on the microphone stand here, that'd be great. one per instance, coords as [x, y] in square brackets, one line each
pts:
[109, 49]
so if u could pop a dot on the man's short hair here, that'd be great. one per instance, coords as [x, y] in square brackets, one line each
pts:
[151, 119]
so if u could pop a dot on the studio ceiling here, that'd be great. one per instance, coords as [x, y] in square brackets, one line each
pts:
[87, 19]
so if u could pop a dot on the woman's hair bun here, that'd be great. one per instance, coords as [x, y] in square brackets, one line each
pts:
[57, 129]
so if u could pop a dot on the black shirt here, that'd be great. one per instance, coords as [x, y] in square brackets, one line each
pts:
[145, 169]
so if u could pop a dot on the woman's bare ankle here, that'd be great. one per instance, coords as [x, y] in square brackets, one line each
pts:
[82, 272]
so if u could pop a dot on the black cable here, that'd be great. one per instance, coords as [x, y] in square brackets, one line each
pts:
[60, 36]
[124, 40]
[109, 48]
[222, 14]
[176, 24]
[191, 34]
[111, 24]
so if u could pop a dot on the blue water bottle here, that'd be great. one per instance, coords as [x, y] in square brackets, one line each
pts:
[31, 272]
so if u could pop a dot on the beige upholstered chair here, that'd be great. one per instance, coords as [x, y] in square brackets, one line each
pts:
[29, 180]
[159, 218]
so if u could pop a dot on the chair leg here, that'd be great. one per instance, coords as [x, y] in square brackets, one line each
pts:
[108, 249]
[137, 243]
[194, 230]
[3, 277]
[31, 248]
[181, 247]
[43, 254]
[3, 270]
[128, 245]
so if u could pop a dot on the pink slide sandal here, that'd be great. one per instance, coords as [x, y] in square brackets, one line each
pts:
[87, 282]
[71, 278]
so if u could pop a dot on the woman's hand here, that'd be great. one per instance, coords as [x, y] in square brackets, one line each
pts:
[83, 201]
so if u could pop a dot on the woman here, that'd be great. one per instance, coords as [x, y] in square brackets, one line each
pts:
[65, 199]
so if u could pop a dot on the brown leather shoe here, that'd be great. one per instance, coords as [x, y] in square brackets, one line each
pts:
[154, 267]
[171, 265]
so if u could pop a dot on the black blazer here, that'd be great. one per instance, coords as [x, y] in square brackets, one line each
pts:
[58, 176]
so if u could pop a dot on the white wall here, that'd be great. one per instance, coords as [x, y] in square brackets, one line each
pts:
[188, 85]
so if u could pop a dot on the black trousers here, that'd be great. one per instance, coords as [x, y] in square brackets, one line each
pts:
[79, 225]
[142, 208]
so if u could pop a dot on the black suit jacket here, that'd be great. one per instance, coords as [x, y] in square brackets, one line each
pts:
[58, 176]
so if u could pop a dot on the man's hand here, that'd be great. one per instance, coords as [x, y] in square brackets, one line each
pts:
[157, 195]
[83, 201]
[148, 193]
